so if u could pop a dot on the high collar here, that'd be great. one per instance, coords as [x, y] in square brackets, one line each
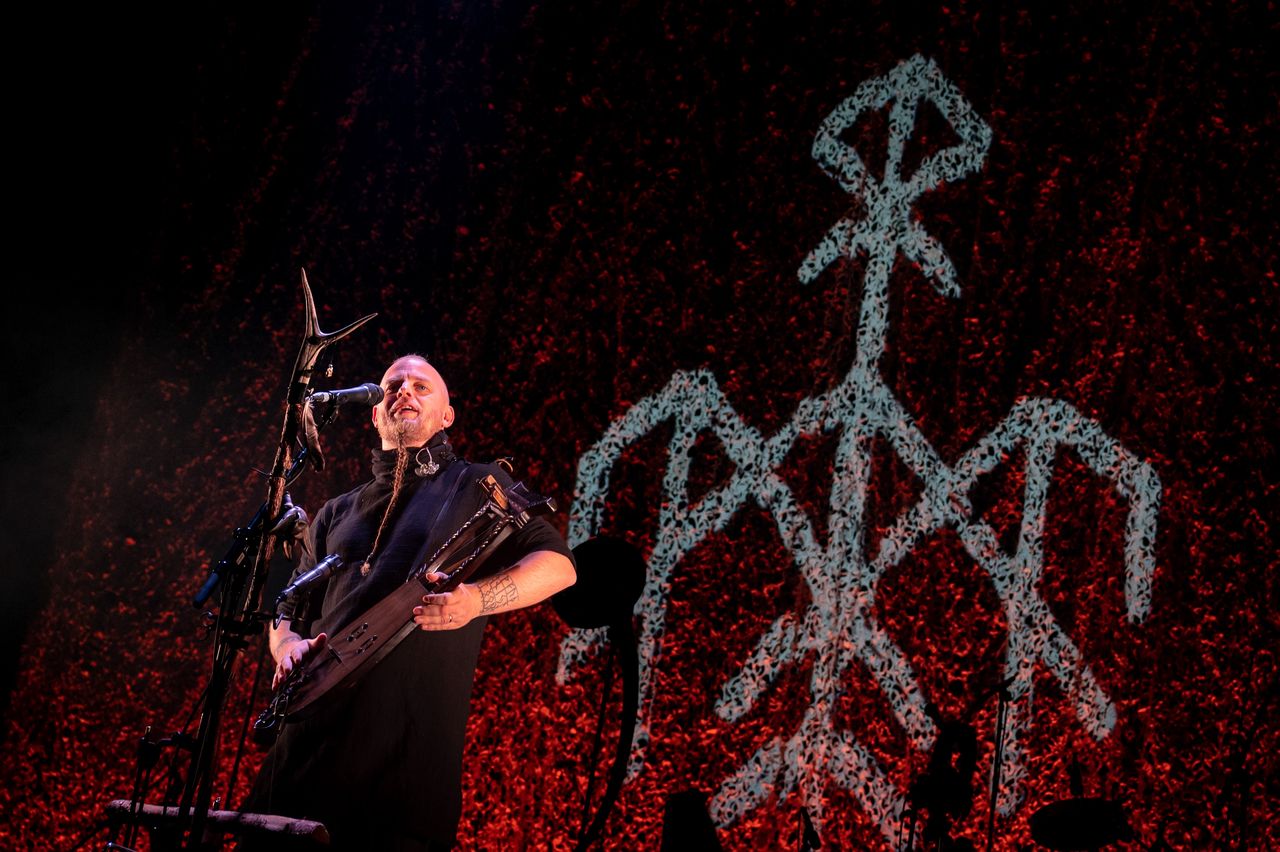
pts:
[384, 461]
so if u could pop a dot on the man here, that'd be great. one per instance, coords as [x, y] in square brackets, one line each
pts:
[382, 767]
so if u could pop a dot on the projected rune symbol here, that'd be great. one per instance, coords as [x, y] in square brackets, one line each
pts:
[838, 628]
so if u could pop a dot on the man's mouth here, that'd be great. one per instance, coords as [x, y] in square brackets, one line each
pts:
[404, 411]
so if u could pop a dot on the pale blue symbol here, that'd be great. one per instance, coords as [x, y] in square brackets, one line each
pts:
[838, 627]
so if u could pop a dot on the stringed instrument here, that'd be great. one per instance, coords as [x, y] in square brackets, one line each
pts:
[354, 650]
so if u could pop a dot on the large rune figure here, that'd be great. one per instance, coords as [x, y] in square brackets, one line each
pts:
[382, 765]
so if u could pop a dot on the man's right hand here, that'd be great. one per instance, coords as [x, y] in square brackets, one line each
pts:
[294, 654]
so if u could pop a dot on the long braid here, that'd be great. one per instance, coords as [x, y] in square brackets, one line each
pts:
[397, 480]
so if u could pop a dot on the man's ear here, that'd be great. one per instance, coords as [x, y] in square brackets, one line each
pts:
[373, 414]
[446, 419]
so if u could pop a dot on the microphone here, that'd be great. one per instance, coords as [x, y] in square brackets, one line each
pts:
[367, 394]
[323, 569]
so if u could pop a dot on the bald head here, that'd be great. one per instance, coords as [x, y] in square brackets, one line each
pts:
[416, 405]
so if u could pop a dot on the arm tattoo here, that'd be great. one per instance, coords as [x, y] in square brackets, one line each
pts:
[496, 592]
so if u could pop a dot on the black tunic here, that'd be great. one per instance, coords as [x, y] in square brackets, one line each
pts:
[387, 759]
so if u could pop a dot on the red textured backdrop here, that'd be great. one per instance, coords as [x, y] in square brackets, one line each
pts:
[564, 206]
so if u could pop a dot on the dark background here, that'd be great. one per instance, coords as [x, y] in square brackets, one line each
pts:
[562, 205]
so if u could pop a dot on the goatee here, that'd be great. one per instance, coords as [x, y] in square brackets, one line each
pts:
[399, 432]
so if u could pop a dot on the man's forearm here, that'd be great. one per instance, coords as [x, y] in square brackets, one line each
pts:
[281, 637]
[535, 578]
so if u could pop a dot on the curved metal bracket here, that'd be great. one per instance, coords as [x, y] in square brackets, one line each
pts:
[314, 342]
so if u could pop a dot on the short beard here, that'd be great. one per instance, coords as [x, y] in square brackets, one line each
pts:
[399, 432]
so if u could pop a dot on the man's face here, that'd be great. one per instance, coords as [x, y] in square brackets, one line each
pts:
[416, 405]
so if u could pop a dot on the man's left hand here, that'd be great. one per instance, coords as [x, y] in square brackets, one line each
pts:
[447, 610]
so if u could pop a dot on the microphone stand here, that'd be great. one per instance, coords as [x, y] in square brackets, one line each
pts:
[243, 576]
[622, 637]
[1002, 711]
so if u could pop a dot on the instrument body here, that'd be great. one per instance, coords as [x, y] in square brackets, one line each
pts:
[355, 649]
